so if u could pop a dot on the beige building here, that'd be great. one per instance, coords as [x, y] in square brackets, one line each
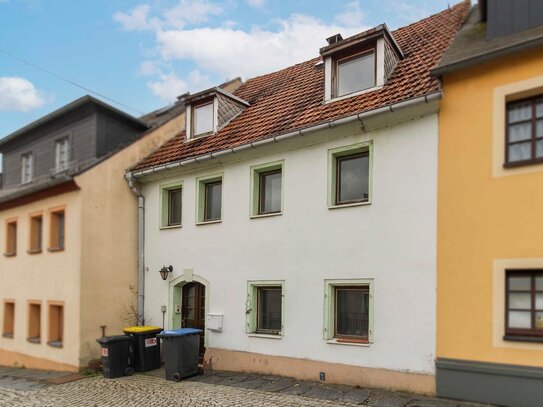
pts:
[68, 231]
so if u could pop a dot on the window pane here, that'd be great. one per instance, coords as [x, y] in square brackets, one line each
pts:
[174, 210]
[352, 316]
[521, 283]
[539, 108]
[61, 229]
[520, 111]
[539, 128]
[539, 283]
[539, 148]
[520, 152]
[213, 201]
[269, 309]
[203, 119]
[539, 301]
[353, 178]
[520, 300]
[356, 74]
[539, 320]
[270, 200]
[518, 132]
[520, 319]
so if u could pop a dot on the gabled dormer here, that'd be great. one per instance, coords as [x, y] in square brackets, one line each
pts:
[360, 63]
[210, 110]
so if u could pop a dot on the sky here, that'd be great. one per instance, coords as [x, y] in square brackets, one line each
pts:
[142, 55]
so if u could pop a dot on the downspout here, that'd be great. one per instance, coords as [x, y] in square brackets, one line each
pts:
[141, 246]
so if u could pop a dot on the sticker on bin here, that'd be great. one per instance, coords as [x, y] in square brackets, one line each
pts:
[150, 342]
[105, 352]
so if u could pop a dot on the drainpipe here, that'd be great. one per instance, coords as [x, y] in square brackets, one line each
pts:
[141, 246]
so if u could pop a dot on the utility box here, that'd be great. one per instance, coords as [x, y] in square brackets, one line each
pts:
[214, 322]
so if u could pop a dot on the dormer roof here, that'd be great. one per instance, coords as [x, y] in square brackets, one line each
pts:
[211, 92]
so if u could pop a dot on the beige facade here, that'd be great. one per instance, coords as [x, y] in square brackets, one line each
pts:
[94, 278]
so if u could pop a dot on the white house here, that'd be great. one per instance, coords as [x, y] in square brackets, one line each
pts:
[299, 214]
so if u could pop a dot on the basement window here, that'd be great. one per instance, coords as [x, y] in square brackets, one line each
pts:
[56, 325]
[57, 236]
[34, 322]
[9, 319]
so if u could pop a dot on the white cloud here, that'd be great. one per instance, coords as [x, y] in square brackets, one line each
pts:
[256, 3]
[352, 16]
[137, 19]
[225, 51]
[19, 94]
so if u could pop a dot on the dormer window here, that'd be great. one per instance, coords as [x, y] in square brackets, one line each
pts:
[355, 73]
[203, 119]
[27, 168]
[211, 110]
[358, 64]
[62, 154]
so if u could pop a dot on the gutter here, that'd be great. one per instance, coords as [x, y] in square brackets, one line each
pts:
[141, 246]
[280, 137]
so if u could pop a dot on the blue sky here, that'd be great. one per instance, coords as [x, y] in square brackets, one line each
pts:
[144, 54]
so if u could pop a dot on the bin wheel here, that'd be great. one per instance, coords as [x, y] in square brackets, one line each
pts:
[176, 377]
[129, 371]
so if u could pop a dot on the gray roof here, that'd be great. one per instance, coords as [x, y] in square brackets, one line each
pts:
[65, 110]
[471, 47]
[26, 189]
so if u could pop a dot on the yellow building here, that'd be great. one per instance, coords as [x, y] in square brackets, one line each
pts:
[490, 208]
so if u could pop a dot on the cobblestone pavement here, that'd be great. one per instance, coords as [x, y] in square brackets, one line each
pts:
[212, 389]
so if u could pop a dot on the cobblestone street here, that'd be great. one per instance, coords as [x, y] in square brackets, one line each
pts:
[21, 387]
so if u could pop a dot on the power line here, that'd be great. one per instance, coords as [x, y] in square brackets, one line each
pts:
[70, 82]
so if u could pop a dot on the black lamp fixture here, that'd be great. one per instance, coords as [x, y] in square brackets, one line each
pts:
[164, 271]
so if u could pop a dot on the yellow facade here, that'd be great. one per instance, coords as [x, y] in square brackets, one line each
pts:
[490, 218]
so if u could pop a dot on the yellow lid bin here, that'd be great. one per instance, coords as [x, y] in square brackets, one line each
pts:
[141, 329]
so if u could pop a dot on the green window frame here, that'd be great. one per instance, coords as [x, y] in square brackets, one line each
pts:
[202, 188]
[255, 291]
[258, 172]
[331, 332]
[336, 157]
[165, 205]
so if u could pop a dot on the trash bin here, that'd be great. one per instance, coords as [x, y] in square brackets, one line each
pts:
[116, 356]
[181, 350]
[146, 349]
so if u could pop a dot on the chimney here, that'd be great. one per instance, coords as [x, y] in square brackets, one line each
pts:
[334, 38]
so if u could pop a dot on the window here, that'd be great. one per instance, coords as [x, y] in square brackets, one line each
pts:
[9, 319]
[524, 144]
[56, 325]
[57, 237]
[27, 168]
[11, 238]
[524, 304]
[265, 308]
[355, 73]
[62, 154]
[267, 185]
[171, 196]
[350, 180]
[202, 119]
[36, 232]
[34, 322]
[349, 311]
[209, 199]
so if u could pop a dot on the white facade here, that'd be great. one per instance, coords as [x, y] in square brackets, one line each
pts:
[391, 240]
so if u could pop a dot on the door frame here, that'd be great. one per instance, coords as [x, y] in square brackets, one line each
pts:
[176, 294]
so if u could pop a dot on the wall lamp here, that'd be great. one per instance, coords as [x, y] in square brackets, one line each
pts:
[164, 271]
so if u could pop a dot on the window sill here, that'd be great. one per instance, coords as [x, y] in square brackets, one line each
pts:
[10, 254]
[349, 205]
[8, 335]
[34, 340]
[350, 95]
[336, 341]
[208, 222]
[55, 344]
[55, 249]
[525, 163]
[521, 338]
[266, 215]
[34, 251]
[171, 227]
[269, 336]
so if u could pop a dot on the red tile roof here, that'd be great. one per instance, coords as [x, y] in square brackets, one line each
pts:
[292, 98]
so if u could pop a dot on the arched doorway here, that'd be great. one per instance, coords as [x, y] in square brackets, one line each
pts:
[193, 309]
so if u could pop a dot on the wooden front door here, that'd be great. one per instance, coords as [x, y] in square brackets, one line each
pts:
[193, 310]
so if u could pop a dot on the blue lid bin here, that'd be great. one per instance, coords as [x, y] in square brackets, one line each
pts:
[180, 351]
